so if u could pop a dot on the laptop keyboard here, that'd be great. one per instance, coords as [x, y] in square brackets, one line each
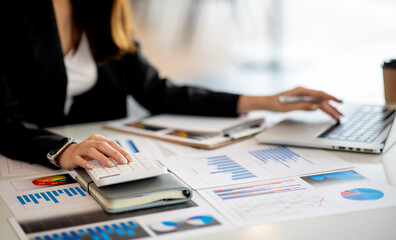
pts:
[363, 125]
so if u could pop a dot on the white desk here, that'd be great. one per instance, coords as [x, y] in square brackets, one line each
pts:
[372, 224]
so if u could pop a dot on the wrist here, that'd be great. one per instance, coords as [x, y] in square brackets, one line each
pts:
[53, 154]
[250, 103]
[65, 156]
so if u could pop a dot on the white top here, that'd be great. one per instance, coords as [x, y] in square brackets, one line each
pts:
[81, 72]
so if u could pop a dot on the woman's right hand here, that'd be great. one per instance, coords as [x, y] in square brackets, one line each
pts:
[95, 147]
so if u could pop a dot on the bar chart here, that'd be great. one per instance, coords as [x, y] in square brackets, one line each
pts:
[51, 196]
[226, 166]
[128, 145]
[263, 201]
[242, 164]
[108, 231]
[281, 155]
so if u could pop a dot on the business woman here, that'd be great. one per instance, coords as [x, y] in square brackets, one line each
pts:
[73, 61]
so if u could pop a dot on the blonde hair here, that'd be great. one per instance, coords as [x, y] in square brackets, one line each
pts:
[108, 27]
[121, 26]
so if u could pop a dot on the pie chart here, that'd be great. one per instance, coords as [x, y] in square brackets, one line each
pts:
[165, 226]
[362, 194]
[199, 220]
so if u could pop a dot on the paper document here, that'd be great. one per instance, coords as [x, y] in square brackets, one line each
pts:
[299, 197]
[202, 132]
[197, 124]
[9, 167]
[27, 200]
[162, 223]
[242, 164]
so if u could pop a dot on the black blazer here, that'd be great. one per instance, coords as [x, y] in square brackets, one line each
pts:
[33, 87]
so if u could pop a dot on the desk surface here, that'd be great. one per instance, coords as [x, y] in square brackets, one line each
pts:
[370, 224]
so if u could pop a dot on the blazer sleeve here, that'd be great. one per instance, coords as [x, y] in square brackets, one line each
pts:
[21, 140]
[162, 96]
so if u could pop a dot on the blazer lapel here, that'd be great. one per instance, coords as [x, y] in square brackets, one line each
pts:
[47, 52]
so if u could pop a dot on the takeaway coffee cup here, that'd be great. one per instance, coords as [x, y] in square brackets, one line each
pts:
[389, 71]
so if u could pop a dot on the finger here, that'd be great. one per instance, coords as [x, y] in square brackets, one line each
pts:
[306, 106]
[336, 110]
[82, 162]
[93, 153]
[327, 108]
[315, 93]
[98, 137]
[120, 150]
[123, 158]
[110, 152]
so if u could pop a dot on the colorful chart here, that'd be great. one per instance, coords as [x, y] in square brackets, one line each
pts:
[172, 225]
[199, 220]
[362, 194]
[336, 177]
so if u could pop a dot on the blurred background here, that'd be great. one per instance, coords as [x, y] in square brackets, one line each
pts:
[266, 46]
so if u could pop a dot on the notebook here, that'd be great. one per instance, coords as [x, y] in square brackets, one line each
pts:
[364, 128]
[158, 191]
[197, 131]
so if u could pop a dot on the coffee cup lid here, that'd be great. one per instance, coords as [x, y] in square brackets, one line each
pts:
[389, 64]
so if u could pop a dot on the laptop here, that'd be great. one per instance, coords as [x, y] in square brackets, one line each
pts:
[363, 128]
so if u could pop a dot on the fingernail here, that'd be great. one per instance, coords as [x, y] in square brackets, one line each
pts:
[314, 107]
[129, 157]
[110, 163]
[124, 161]
[89, 166]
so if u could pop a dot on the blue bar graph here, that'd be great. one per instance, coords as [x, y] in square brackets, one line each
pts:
[50, 196]
[132, 146]
[120, 231]
[26, 198]
[73, 191]
[281, 155]
[80, 191]
[93, 234]
[75, 235]
[127, 229]
[33, 198]
[20, 199]
[225, 165]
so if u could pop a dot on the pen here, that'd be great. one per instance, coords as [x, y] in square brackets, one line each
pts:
[246, 133]
[51, 180]
[295, 99]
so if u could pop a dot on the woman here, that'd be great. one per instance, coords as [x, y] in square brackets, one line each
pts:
[72, 61]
